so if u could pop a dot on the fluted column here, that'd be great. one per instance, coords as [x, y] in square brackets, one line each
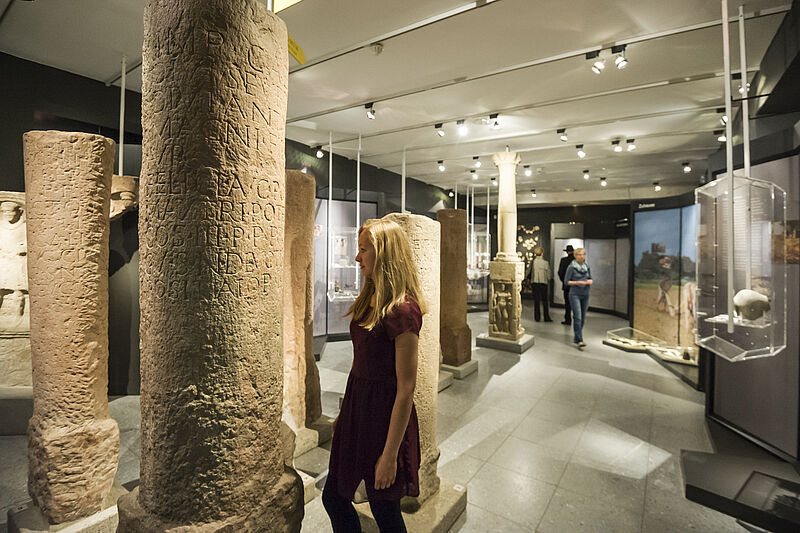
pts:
[506, 163]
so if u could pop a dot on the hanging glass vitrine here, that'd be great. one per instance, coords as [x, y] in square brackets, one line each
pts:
[747, 319]
[343, 273]
[478, 258]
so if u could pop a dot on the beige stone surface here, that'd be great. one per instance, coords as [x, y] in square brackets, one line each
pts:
[14, 306]
[211, 229]
[424, 236]
[506, 163]
[73, 443]
[301, 387]
[455, 337]
[124, 195]
[15, 362]
[30, 519]
[505, 301]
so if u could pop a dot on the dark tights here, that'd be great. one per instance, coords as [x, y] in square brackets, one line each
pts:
[344, 517]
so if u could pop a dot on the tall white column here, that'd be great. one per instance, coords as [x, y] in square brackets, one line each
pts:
[506, 163]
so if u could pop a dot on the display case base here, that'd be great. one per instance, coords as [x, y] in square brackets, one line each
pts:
[436, 515]
[519, 346]
[461, 371]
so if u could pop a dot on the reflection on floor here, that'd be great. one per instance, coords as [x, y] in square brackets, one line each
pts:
[555, 439]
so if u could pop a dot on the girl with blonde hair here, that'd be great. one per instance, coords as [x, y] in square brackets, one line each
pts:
[376, 436]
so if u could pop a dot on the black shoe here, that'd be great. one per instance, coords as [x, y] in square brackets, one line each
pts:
[567, 323]
[548, 319]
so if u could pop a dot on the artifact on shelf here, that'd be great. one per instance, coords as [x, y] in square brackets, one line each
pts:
[750, 305]
[124, 195]
[344, 278]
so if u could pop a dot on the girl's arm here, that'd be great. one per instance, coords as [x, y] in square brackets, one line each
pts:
[406, 369]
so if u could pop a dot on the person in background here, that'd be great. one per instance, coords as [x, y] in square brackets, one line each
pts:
[562, 270]
[579, 278]
[539, 276]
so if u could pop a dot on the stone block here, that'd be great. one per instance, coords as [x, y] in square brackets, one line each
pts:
[518, 346]
[445, 380]
[460, 371]
[436, 515]
[29, 519]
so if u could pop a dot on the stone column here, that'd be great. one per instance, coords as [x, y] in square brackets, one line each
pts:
[211, 223]
[73, 443]
[507, 269]
[15, 330]
[456, 337]
[300, 374]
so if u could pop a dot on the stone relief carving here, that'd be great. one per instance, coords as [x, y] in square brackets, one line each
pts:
[14, 314]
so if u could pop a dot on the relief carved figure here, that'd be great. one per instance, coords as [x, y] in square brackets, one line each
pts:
[14, 316]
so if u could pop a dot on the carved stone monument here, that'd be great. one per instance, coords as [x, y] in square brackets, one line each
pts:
[73, 443]
[15, 346]
[456, 337]
[124, 195]
[211, 228]
[439, 503]
[507, 270]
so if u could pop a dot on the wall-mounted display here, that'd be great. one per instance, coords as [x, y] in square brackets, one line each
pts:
[741, 296]
[344, 280]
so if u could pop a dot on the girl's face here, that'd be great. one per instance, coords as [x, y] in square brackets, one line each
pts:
[366, 254]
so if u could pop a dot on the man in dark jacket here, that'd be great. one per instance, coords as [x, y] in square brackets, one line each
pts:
[562, 269]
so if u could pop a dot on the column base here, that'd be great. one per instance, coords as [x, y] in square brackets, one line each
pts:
[445, 380]
[305, 439]
[324, 428]
[461, 371]
[30, 519]
[281, 510]
[518, 346]
[436, 515]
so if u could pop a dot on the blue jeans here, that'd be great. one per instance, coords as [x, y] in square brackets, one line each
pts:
[579, 304]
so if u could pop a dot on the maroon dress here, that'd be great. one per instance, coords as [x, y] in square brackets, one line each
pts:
[363, 422]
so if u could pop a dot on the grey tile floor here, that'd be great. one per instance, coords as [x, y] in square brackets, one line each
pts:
[555, 439]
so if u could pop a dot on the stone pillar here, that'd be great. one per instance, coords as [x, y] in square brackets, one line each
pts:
[15, 345]
[300, 374]
[456, 337]
[73, 443]
[507, 269]
[211, 223]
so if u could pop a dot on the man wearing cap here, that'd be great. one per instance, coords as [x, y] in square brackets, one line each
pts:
[562, 269]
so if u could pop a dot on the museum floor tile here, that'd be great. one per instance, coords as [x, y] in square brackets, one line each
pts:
[554, 439]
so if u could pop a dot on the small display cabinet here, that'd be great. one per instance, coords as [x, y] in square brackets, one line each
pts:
[477, 268]
[741, 296]
[344, 280]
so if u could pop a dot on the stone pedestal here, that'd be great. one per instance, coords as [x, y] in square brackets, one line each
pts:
[437, 515]
[456, 337]
[211, 228]
[30, 519]
[73, 443]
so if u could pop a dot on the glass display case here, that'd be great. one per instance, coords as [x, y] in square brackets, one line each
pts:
[343, 274]
[741, 299]
[478, 258]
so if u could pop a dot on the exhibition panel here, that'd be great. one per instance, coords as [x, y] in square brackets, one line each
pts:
[601, 257]
[623, 258]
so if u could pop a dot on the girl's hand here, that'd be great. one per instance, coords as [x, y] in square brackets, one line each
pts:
[385, 472]
[588, 282]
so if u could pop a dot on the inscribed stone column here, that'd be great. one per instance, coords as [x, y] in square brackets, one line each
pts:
[434, 509]
[300, 375]
[73, 443]
[507, 269]
[456, 337]
[211, 223]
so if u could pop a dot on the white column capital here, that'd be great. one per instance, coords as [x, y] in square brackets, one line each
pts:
[502, 159]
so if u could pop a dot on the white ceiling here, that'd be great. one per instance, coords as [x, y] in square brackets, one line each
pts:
[523, 59]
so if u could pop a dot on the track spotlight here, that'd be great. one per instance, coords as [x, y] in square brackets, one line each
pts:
[495, 120]
[656, 187]
[723, 120]
[744, 89]
[603, 182]
[441, 166]
[477, 162]
[320, 153]
[581, 153]
[533, 193]
[620, 61]
[562, 134]
[631, 145]
[439, 130]
[586, 174]
[599, 64]
[720, 135]
[370, 110]
[462, 127]
[450, 194]
[528, 171]
[686, 167]
[494, 182]
[616, 146]
[473, 174]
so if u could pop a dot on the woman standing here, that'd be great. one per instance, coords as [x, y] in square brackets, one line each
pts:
[376, 436]
[540, 278]
[579, 279]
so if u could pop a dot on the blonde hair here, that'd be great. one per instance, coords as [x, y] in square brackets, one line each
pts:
[538, 251]
[579, 250]
[394, 275]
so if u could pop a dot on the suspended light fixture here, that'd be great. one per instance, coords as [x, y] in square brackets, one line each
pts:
[370, 110]
[562, 134]
[656, 187]
[441, 166]
[586, 174]
[528, 171]
[720, 135]
[744, 89]
[462, 127]
[439, 130]
[495, 120]
[631, 145]
[473, 174]
[533, 193]
[320, 153]
[603, 182]
[581, 153]
[477, 162]
[724, 120]
[450, 194]
[620, 61]
[686, 167]
[616, 146]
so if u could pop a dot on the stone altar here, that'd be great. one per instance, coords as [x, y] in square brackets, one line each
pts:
[73, 443]
[211, 229]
